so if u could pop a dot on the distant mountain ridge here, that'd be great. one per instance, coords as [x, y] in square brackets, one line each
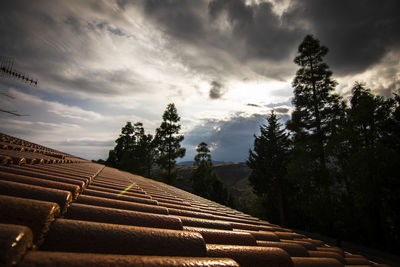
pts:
[191, 163]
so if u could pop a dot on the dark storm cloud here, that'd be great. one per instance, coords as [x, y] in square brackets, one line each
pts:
[266, 35]
[358, 32]
[230, 139]
[105, 26]
[281, 110]
[253, 105]
[216, 90]
[122, 4]
[198, 34]
[180, 18]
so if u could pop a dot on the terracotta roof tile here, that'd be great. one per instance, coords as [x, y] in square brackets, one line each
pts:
[120, 196]
[61, 210]
[81, 182]
[83, 236]
[332, 249]
[299, 237]
[64, 259]
[61, 197]
[74, 189]
[53, 172]
[262, 235]
[306, 244]
[37, 215]
[114, 191]
[119, 204]
[251, 255]
[213, 236]
[14, 241]
[167, 202]
[287, 235]
[116, 187]
[315, 262]
[294, 250]
[326, 254]
[193, 214]
[126, 217]
[205, 223]
[243, 226]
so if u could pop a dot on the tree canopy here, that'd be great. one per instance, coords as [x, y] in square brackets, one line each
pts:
[205, 182]
[168, 141]
[339, 162]
[134, 150]
[268, 162]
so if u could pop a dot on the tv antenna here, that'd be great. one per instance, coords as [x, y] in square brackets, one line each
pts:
[7, 70]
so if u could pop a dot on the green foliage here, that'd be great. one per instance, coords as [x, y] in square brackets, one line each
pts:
[134, 150]
[368, 167]
[125, 141]
[140, 160]
[317, 108]
[203, 156]
[343, 162]
[316, 118]
[268, 162]
[205, 182]
[168, 141]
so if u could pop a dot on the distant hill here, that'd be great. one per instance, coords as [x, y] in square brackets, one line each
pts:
[234, 176]
[191, 163]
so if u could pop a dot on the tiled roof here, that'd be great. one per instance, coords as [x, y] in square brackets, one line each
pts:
[60, 210]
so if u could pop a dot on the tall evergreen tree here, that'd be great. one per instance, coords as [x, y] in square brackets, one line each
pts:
[205, 182]
[371, 159]
[316, 118]
[203, 156]
[142, 153]
[268, 162]
[201, 176]
[316, 106]
[124, 143]
[168, 142]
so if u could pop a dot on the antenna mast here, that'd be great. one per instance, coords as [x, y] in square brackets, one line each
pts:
[7, 70]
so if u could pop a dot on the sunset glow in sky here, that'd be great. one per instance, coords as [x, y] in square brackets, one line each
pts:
[224, 63]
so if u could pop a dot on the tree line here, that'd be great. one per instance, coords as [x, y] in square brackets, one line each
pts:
[333, 168]
[155, 156]
[138, 152]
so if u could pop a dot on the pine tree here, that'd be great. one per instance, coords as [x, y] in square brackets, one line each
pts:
[203, 156]
[317, 112]
[134, 150]
[201, 175]
[268, 162]
[371, 163]
[142, 151]
[205, 182]
[315, 121]
[168, 142]
[124, 143]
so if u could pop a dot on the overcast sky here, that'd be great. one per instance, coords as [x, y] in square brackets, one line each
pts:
[224, 63]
